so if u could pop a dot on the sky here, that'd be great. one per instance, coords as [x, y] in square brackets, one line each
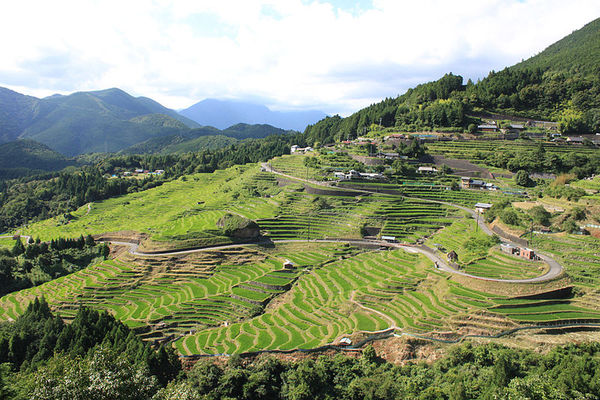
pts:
[336, 56]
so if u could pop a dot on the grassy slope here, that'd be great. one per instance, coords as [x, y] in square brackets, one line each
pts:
[164, 212]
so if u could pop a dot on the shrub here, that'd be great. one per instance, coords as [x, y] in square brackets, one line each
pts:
[510, 217]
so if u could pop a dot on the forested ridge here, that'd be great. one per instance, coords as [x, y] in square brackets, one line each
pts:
[561, 84]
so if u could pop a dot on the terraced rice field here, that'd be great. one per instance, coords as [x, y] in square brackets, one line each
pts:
[475, 149]
[293, 165]
[500, 265]
[580, 255]
[411, 219]
[432, 191]
[182, 208]
[172, 295]
[318, 217]
[308, 216]
[242, 299]
[375, 291]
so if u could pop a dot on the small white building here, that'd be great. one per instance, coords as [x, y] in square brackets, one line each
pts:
[345, 341]
[482, 207]
[427, 170]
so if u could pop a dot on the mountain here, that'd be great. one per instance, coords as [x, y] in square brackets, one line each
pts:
[16, 112]
[105, 120]
[562, 83]
[204, 138]
[225, 113]
[26, 157]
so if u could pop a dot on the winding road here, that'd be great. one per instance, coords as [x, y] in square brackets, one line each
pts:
[555, 269]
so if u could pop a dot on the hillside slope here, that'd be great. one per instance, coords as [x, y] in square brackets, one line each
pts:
[27, 157]
[204, 138]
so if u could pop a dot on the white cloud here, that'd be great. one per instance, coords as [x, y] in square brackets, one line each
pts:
[303, 54]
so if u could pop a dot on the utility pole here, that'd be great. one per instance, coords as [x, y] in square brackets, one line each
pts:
[531, 234]
[477, 221]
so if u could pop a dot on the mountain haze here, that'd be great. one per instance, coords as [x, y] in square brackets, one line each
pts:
[203, 138]
[224, 113]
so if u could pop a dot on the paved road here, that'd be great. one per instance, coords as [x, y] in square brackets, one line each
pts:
[11, 236]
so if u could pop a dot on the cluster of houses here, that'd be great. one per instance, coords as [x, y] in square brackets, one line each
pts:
[352, 174]
[295, 149]
[139, 171]
[492, 127]
[524, 252]
[468, 183]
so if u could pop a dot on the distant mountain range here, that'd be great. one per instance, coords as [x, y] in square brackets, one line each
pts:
[204, 138]
[224, 113]
[83, 122]
[109, 121]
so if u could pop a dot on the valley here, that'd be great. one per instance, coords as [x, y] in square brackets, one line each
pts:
[177, 278]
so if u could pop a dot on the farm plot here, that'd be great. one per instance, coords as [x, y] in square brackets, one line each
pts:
[170, 296]
[317, 311]
[185, 208]
[293, 165]
[580, 255]
[476, 150]
[309, 216]
[503, 266]
[411, 219]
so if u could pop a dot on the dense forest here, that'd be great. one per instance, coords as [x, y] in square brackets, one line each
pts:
[93, 357]
[96, 357]
[31, 265]
[562, 84]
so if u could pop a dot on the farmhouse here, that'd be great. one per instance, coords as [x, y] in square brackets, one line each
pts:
[389, 239]
[575, 140]
[427, 170]
[288, 264]
[509, 248]
[357, 175]
[390, 156]
[487, 128]
[482, 207]
[528, 253]
[515, 128]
